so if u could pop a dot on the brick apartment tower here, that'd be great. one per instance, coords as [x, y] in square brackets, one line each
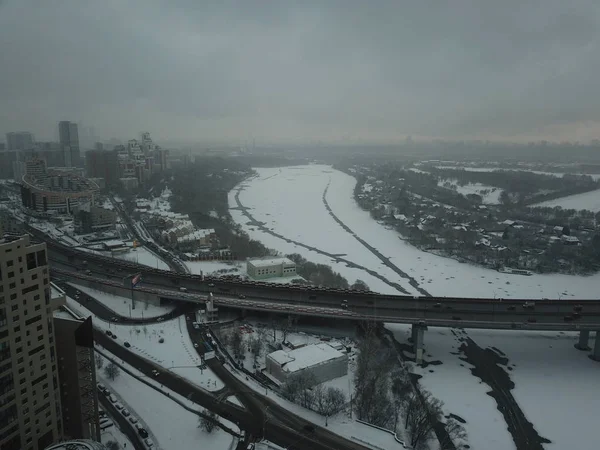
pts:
[30, 413]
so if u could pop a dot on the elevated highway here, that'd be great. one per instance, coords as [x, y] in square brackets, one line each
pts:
[525, 314]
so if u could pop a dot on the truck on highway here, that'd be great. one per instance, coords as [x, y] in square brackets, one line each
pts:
[209, 352]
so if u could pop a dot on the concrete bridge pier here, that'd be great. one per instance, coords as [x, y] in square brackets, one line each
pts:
[596, 353]
[584, 339]
[418, 334]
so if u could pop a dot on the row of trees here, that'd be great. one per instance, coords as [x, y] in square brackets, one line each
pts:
[304, 390]
[322, 274]
[384, 393]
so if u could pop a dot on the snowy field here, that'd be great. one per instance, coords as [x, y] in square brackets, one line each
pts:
[587, 200]
[216, 267]
[553, 382]
[122, 305]
[490, 198]
[142, 255]
[173, 426]
[289, 201]
[177, 353]
[594, 176]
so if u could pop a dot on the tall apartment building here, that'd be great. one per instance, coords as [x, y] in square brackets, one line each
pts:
[30, 413]
[103, 164]
[69, 140]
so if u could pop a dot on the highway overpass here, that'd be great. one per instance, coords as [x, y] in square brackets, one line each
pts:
[581, 315]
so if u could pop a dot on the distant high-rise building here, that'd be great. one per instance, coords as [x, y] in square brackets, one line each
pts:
[69, 140]
[103, 164]
[30, 413]
[19, 140]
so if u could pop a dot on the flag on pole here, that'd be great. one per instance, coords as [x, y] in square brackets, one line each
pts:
[136, 279]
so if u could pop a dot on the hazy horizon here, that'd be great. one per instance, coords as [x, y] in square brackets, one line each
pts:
[340, 72]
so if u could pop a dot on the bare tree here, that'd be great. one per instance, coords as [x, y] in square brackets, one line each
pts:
[285, 326]
[111, 371]
[208, 421]
[99, 361]
[422, 412]
[372, 381]
[335, 399]
[225, 338]
[256, 346]
[237, 343]
[298, 389]
[456, 437]
[359, 285]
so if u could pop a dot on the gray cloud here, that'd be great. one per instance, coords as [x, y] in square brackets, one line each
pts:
[298, 71]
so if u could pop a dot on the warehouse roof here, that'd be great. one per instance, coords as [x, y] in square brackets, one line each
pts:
[304, 357]
[267, 262]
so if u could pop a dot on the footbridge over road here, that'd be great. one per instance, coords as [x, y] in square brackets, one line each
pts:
[421, 312]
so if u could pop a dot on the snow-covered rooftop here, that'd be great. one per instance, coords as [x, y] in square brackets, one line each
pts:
[303, 357]
[267, 262]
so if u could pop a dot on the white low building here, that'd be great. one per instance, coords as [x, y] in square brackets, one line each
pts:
[270, 267]
[322, 360]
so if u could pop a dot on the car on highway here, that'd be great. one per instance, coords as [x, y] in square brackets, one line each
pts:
[211, 285]
[528, 305]
[105, 425]
[578, 308]
[437, 305]
[241, 296]
[133, 420]
[155, 373]
[112, 398]
[149, 443]
[125, 412]
[127, 344]
[195, 345]
[310, 428]
[141, 430]
[119, 406]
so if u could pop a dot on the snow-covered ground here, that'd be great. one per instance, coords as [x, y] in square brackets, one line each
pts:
[114, 434]
[490, 194]
[461, 393]
[173, 426]
[288, 200]
[594, 176]
[341, 423]
[122, 305]
[587, 200]
[142, 255]
[177, 353]
[552, 378]
[554, 383]
[216, 267]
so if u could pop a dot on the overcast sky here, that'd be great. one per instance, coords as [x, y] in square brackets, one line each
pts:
[296, 71]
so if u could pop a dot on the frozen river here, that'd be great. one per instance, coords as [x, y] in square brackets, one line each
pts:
[552, 380]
